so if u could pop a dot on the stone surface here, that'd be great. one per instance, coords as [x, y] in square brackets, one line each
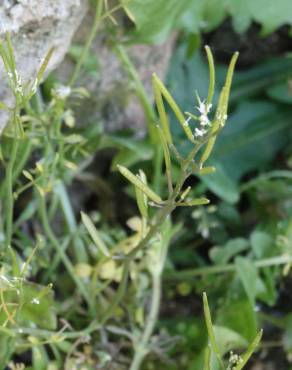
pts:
[36, 26]
[112, 97]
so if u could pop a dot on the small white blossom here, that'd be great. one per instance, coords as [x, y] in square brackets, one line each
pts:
[63, 91]
[199, 132]
[234, 360]
[203, 108]
[35, 301]
[204, 120]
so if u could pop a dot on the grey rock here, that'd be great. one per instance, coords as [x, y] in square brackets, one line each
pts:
[35, 27]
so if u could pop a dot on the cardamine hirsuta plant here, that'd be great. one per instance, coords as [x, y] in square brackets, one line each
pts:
[36, 130]
[201, 129]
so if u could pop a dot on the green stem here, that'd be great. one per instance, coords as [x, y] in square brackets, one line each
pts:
[203, 271]
[279, 174]
[9, 192]
[92, 34]
[45, 221]
[79, 248]
[140, 91]
[141, 349]
[160, 218]
[47, 334]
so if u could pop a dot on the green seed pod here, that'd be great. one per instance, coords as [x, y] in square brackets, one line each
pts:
[141, 197]
[94, 234]
[175, 108]
[211, 74]
[221, 111]
[161, 109]
[207, 170]
[166, 156]
[139, 184]
[195, 202]
[185, 193]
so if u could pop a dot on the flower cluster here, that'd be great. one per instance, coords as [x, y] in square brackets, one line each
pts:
[234, 360]
[203, 119]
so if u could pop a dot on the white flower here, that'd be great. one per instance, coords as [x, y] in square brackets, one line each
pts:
[204, 110]
[63, 91]
[35, 301]
[204, 120]
[199, 132]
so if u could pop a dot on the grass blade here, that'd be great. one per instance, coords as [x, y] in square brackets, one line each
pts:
[210, 330]
[94, 234]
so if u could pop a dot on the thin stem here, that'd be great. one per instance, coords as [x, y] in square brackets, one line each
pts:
[210, 270]
[9, 191]
[140, 90]
[92, 34]
[53, 335]
[160, 218]
[79, 248]
[279, 174]
[141, 349]
[59, 250]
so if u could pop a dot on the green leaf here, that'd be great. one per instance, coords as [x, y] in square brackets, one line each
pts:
[281, 92]
[222, 255]
[270, 15]
[262, 244]
[37, 305]
[238, 314]
[211, 333]
[228, 339]
[94, 234]
[247, 273]
[155, 19]
[221, 184]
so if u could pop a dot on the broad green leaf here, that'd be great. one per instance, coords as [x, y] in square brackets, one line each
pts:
[155, 19]
[271, 15]
[222, 255]
[37, 307]
[281, 92]
[262, 244]
[228, 339]
[238, 315]
[221, 184]
[247, 273]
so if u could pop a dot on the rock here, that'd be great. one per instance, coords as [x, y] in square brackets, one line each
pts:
[36, 26]
[112, 97]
